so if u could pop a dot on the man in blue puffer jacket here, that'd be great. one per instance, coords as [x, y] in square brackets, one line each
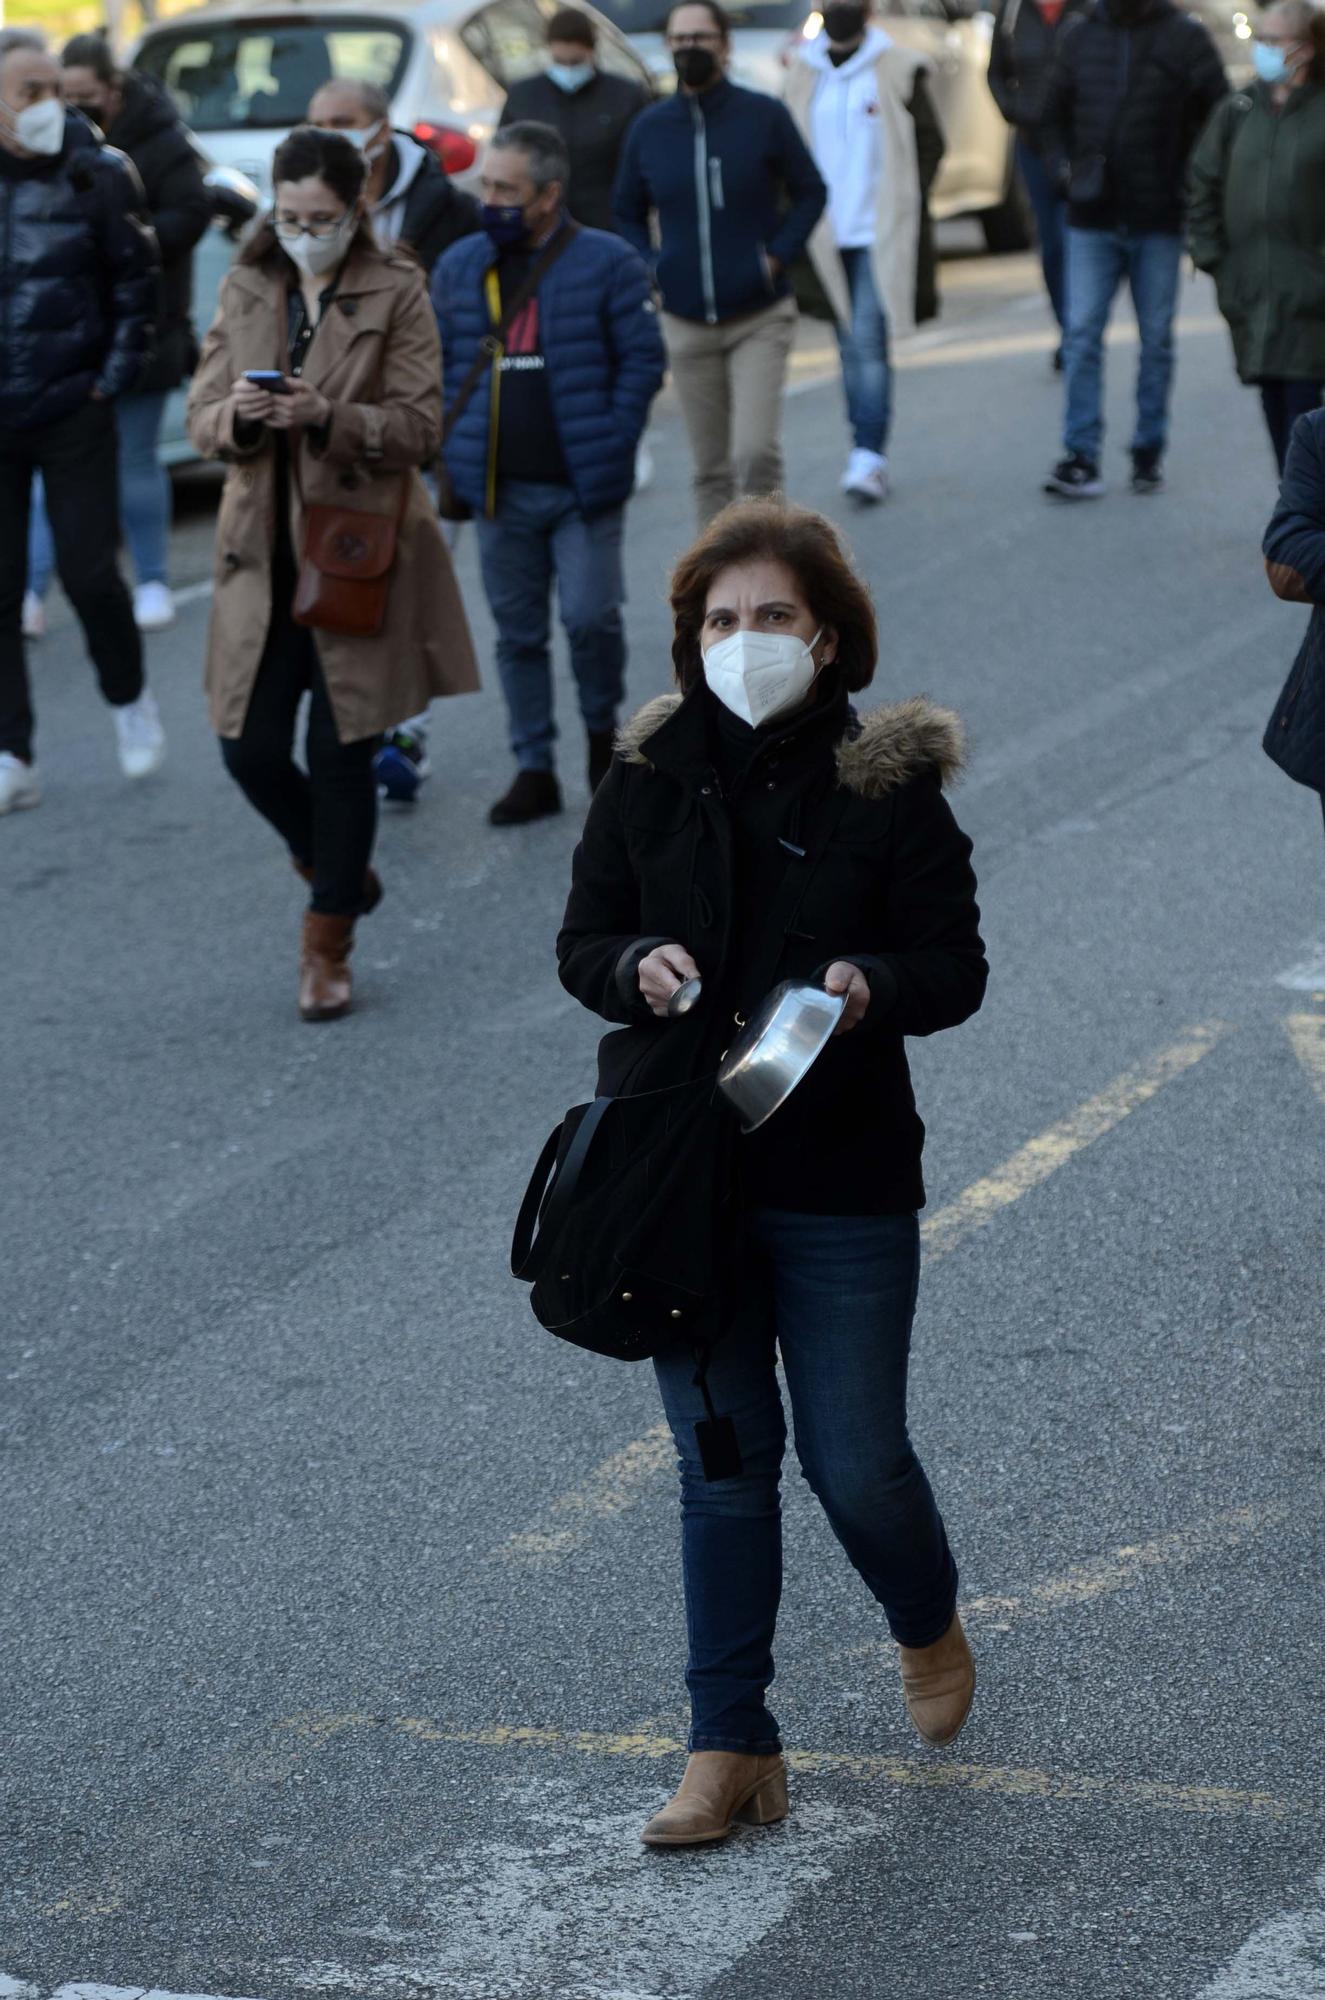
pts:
[77, 299]
[544, 454]
[736, 195]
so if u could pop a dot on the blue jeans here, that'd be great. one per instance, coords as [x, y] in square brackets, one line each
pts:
[537, 535]
[836, 1293]
[1050, 224]
[866, 374]
[1098, 260]
[144, 498]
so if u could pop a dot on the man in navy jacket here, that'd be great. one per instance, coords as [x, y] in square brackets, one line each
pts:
[545, 453]
[736, 195]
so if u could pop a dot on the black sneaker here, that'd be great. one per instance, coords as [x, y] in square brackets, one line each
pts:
[534, 795]
[1147, 472]
[1075, 478]
[602, 748]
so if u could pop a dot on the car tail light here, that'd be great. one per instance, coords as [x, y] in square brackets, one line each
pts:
[456, 150]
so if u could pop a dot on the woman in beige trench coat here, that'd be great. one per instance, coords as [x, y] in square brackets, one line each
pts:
[348, 330]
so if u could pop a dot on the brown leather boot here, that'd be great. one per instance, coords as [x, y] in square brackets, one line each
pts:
[719, 1788]
[324, 971]
[372, 885]
[939, 1684]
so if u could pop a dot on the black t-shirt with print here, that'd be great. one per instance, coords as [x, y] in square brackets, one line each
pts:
[528, 447]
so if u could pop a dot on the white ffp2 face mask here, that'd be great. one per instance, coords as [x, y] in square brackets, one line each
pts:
[40, 127]
[759, 675]
[316, 255]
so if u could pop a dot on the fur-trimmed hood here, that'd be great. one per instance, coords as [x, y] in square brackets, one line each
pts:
[889, 746]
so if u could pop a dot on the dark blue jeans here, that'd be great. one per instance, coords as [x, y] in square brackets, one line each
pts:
[836, 1294]
[1037, 177]
[539, 536]
[866, 372]
[1098, 260]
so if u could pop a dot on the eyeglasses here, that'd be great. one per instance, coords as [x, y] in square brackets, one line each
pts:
[319, 231]
[707, 38]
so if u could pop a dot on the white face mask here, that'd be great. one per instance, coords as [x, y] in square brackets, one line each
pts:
[364, 140]
[758, 675]
[316, 255]
[40, 127]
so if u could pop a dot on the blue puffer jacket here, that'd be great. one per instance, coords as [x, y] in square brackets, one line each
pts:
[732, 184]
[78, 280]
[604, 355]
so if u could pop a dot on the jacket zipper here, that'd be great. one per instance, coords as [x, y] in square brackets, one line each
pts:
[705, 214]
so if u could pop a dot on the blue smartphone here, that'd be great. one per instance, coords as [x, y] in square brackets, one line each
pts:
[270, 379]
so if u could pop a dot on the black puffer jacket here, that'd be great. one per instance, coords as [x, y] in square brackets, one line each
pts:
[1295, 561]
[1124, 106]
[149, 130]
[1022, 55]
[686, 843]
[78, 272]
[593, 123]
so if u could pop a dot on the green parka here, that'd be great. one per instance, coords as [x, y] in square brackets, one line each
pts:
[1256, 221]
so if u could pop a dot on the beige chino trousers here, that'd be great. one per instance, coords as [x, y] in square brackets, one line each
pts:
[729, 379]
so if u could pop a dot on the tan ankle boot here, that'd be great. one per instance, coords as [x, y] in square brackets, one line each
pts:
[719, 1788]
[324, 971]
[939, 1684]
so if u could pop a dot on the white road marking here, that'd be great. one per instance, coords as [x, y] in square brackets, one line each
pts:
[1308, 976]
[1283, 1960]
[89, 1989]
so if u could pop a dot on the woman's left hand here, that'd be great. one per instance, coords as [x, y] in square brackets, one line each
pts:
[303, 409]
[843, 977]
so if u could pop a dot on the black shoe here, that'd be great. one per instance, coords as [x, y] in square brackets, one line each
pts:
[1075, 478]
[602, 747]
[1147, 473]
[1058, 359]
[534, 795]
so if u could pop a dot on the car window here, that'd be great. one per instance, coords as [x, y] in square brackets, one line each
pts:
[238, 76]
[509, 38]
[648, 17]
[918, 10]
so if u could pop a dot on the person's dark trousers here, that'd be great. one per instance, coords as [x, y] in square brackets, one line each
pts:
[76, 456]
[327, 817]
[537, 536]
[1050, 211]
[836, 1294]
[1283, 403]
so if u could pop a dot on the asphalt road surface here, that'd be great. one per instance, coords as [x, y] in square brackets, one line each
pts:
[342, 1636]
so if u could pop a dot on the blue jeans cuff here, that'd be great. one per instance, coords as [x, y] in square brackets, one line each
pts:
[763, 1746]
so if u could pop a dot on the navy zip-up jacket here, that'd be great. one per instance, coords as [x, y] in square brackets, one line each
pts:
[732, 184]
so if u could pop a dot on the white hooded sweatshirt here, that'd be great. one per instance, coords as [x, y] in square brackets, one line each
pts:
[845, 136]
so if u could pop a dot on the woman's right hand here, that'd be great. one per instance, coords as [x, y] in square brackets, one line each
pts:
[662, 971]
[252, 404]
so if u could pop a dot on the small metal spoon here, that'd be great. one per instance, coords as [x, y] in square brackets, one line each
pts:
[685, 997]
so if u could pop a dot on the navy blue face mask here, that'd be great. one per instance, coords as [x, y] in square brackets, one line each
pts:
[506, 226]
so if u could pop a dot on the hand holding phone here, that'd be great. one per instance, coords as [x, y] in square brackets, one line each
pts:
[270, 379]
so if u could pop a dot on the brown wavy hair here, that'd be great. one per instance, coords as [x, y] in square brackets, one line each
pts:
[810, 547]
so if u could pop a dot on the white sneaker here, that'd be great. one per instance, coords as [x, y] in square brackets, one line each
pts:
[34, 616]
[142, 740]
[866, 476]
[18, 783]
[153, 607]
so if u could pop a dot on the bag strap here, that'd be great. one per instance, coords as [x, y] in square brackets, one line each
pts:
[529, 1252]
[491, 344]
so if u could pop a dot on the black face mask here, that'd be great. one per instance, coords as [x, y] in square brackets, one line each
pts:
[695, 68]
[843, 22]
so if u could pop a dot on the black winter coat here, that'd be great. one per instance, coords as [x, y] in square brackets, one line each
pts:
[149, 130]
[1295, 563]
[593, 122]
[78, 274]
[1021, 57]
[1124, 106]
[437, 213]
[667, 857]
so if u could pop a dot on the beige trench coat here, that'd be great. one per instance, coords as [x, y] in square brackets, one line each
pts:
[376, 356]
[896, 246]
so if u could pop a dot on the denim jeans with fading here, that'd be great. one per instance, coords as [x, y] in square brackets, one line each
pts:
[1098, 261]
[539, 537]
[144, 499]
[866, 371]
[836, 1294]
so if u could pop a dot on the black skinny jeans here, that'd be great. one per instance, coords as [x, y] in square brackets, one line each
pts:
[77, 457]
[326, 816]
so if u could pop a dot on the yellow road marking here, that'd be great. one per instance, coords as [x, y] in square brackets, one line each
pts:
[1307, 1034]
[1001, 1780]
[618, 1483]
[814, 365]
[1043, 1156]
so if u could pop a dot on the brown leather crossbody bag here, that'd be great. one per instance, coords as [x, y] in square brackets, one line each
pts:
[345, 567]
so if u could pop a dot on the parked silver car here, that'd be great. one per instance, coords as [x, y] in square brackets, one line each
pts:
[243, 76]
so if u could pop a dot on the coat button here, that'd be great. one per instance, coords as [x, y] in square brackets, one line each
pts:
[706, 791]
[230, 561]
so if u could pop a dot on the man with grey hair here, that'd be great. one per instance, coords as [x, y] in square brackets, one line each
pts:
[77, 294]
[543, 451]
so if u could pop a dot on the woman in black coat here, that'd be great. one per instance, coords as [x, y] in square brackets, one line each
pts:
[1295, 563]
[759, 759]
